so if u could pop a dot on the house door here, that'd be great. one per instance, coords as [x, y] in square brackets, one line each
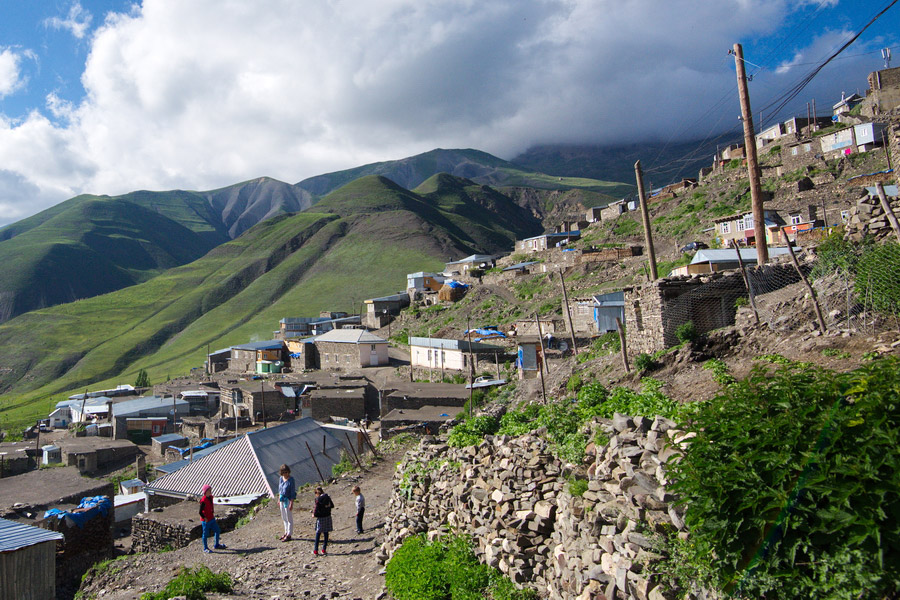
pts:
[373, 356]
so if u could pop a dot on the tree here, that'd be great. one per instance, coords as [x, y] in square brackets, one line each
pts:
[143, 380]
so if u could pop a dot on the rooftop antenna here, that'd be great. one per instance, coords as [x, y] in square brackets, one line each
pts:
[886, 55]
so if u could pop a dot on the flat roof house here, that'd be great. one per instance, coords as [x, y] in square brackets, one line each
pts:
[351, 349]
[246, 357]
[449, 354]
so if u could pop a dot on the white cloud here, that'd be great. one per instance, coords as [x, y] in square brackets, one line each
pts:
[77, 21]
[10, 75]
[205, 93]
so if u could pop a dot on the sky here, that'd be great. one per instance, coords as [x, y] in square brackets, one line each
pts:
[111, 96]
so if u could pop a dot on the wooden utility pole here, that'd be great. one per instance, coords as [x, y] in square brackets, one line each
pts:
[471, 365]
[888, 210]
[262, 399]
[759, 220]
[812, 292]
[562, 282]
[622, 346]
[543, 357]
[645, 217]
[746, 280]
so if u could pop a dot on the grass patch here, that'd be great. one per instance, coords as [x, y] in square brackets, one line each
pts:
[193, 584]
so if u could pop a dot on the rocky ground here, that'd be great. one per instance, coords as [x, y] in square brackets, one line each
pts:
[265, 568]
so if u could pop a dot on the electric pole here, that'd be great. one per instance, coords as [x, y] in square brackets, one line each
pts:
[759, 220]
[645, 218]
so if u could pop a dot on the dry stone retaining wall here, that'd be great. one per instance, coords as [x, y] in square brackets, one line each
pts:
[512, 496]
[868, 218]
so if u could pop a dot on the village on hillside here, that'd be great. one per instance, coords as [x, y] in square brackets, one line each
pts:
[119, 470]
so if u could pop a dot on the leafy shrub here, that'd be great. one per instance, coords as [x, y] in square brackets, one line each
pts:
[578, 486]
[193, 584]
[608, 343]
[445, 569]
[741, 301]
[644, 362]
[720, 371]
[835, 353]
[472, 431]
[687, 332]
[574, 383]
[791, 484]
[345, 466]
[649, 402]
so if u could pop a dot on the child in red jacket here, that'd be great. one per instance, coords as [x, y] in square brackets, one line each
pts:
[208, 519]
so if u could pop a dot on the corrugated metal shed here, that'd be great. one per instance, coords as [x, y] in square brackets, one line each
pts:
[250, 463]
[168, 437]
[133, 407]
[18, 535]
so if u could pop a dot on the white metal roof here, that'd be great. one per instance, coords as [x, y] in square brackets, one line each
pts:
[351, 336]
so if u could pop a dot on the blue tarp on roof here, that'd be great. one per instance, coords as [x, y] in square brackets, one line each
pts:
[95, 505]
[456, 284]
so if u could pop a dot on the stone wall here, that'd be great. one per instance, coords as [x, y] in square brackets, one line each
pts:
[177, 525]
[512, 496]
[868, 218]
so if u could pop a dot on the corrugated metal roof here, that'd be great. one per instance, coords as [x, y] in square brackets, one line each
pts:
[250, 464]
[130, 407]
[14, 536]
[267, 345]
[449, 344]
[476, 258]
[174, 466]
[352, 336]
[520, 265]
[727, 255]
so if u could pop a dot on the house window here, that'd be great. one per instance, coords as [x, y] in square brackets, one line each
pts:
[796, 218]
[740, 225]
[726, 227]
[373, 347]
[748, 221]
[845, 215]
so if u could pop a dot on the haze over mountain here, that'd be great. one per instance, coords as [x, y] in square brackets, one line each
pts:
[358, 242]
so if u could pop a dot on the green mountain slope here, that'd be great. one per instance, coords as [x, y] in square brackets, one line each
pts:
[475, 165]
[361, 242]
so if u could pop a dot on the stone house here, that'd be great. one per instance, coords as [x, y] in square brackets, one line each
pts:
[841, 109]
[413, 396]
[597, 314]
[856, 138]
[302, 354]
[883, 94]
[740, 227]
[246, 357]
[143, 418]
[351, 349]
[380, 311]
[475, 261]
[424, 282]
[347, 403]
[258, 401]
[546, 241]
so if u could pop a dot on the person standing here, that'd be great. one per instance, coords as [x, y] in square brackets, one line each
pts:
[360, 508]
[287, 492]
[322, 513]
[208, 520]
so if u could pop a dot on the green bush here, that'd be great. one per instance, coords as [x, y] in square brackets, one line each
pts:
[644, 362]
[193, 584]
[720, 371]
[649, 402]
[687, 332]
[445, 569]
[791, 484]
[345, 466]
[577, 487]
[472, 431]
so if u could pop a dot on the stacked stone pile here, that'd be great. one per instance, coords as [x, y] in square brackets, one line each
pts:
[512, 496]
[868, 218]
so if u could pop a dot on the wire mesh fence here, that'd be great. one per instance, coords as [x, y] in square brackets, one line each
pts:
[856, 285]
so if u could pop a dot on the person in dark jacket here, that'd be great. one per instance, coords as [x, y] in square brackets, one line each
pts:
[287, 492]
[322, 513]
[208, 519]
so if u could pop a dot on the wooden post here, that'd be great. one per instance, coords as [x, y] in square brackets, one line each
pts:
[365, 435]
[350, 442]
[812, 292]
[568, 313]
[621, 331]
[543, 358]
[471, 365]
[262, 400]
[888, 211]
[497, 362]
[83, 402]
[645, 219]
[887, 150]
[746, 280]
[759, 220]
[312, 456]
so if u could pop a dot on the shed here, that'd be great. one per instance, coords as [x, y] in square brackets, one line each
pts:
[250, 464]
[132, 486]
[161, 442]
[52, 454]
[27, 561]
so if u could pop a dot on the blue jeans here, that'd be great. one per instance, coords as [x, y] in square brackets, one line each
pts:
[210, 527]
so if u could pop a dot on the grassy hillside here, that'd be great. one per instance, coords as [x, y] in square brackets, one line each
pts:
[371, 236]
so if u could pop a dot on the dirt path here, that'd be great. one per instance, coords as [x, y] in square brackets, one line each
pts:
[264, 567]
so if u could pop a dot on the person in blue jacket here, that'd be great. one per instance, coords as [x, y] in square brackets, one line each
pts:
[287, 492]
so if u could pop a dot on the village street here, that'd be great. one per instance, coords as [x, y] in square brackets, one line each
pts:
[265, 568]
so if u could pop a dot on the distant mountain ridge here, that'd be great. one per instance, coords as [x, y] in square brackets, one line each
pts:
[358, 242]
[90, 245]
